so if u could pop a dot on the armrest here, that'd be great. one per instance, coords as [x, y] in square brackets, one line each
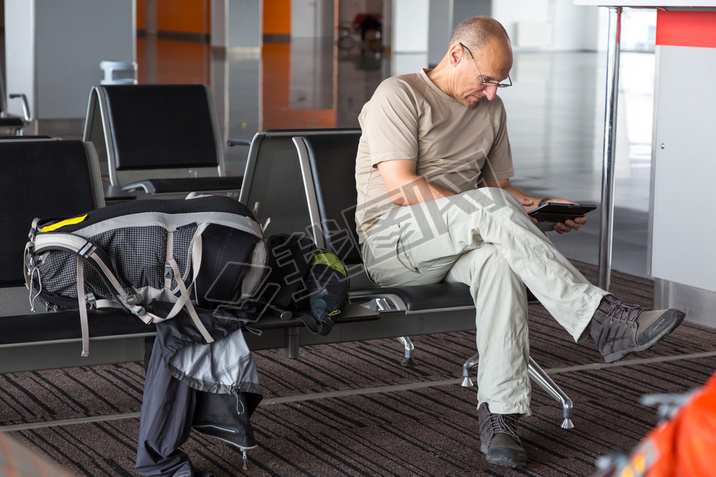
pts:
[187, 184]
[238, 142]
[25, 106]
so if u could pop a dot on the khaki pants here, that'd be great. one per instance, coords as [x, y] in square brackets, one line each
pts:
[484, 238]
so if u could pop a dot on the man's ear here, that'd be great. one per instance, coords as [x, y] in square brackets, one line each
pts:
[456, 53]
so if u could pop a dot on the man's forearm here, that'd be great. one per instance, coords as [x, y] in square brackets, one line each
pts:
[418, 191]
[522, 197]
[405, 187]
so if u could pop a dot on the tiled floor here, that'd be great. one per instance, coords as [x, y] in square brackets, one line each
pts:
[555, 117]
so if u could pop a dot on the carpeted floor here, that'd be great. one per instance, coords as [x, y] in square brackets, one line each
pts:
[351, 409]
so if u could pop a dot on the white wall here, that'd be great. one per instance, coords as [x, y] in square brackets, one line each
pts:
[575, 27]
[445, 15]
[244, 24]
[73, 36]
[410, 26]
[463, 9]
[19, 55]
[312, 18]
[684, 169]
[410, 36]
[54, 48]
[546, 25]
[555, 25]
[219, 23]
[439, 29]
[682, 251]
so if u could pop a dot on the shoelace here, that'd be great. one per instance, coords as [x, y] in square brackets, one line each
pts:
[627, 312]
[504, 424]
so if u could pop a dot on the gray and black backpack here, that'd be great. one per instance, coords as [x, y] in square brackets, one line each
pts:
[206, 251]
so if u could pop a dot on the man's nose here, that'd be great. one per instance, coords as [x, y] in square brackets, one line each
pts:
[490, 91]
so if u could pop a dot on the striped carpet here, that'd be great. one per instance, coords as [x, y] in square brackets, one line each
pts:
[351, 409]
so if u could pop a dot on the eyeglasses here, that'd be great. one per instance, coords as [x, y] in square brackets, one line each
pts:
[484, 81]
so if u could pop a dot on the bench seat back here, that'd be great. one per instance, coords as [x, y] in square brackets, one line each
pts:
[151, 135]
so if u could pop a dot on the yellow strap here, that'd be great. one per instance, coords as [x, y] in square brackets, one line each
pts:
[74, 220]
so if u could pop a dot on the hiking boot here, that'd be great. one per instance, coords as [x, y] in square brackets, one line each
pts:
[620, 328]
[498, 438]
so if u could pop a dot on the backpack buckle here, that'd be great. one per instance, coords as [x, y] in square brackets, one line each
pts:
[168, 272]
[134, 298]
[91, 301]
[86, 249]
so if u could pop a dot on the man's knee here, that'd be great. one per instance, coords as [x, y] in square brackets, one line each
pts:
[496, 263]
[488, 265]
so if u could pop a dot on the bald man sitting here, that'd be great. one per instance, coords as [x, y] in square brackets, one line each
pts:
[435, 203]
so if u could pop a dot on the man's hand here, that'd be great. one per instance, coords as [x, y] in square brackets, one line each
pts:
[568, 225]
[530, 203]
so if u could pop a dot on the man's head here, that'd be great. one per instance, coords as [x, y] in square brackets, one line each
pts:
[479, 58]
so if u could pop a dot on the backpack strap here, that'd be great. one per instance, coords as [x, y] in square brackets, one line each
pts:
[184, 300]
[95, 256]
[82, 301]
[99, 261]
[170, 254]
[314, 325]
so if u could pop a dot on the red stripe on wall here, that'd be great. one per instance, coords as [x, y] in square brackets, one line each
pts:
[684, 28]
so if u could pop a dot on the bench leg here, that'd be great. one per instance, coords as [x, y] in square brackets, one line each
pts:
[467, 368]
[545, 382]
[409, 351]
[292, 345]
[537, 375]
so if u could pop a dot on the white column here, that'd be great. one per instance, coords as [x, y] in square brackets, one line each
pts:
[219, 23]
[244, 28]
[410, 35]
[237, 24]
[312, 19]
[19, 53]
[439, 28]
[54, 47]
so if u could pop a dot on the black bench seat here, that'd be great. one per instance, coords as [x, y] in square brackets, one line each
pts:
[34, 328]
[433, 297]
[423, 297]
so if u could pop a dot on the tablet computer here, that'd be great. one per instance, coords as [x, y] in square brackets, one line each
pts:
[559, 212]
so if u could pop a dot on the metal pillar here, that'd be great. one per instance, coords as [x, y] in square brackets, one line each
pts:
[610, 139]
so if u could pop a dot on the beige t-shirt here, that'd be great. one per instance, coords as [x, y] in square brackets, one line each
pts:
[455, 146]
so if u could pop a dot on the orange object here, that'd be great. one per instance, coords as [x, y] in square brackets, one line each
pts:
[684, 446]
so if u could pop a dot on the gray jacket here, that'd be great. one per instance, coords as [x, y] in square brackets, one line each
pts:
[212, 388]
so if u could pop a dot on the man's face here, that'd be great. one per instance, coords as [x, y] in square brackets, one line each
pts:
[480, 71]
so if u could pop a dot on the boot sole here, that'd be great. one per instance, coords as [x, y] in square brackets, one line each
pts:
[610, 358]
[512, 464]
[503, 461]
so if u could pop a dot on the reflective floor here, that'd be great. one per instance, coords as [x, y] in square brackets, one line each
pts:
[555, 117]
